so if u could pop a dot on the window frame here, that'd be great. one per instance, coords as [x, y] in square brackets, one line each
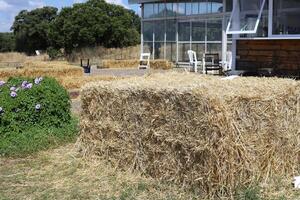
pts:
[228, 31]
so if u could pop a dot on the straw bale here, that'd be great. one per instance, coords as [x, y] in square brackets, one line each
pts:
[154, 64]
[34, 72]
[198, 131]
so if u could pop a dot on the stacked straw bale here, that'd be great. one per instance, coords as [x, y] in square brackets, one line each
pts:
[202, 132]
[154, 64]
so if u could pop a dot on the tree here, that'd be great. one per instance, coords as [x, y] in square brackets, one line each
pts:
[94, 23]
[7, 42]
[31, 29]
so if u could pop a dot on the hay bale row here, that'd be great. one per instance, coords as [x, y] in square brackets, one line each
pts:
[35, 72]
[201, 132]
[78, 82]
[49, 64]
[154, 64]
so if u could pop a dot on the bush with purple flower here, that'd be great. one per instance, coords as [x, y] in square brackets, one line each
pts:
[30, 102]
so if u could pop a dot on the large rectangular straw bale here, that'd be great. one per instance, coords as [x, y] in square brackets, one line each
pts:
[198, 131]
[154, 64]
[35, 72]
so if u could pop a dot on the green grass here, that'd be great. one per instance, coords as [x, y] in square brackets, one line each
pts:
[36, 139]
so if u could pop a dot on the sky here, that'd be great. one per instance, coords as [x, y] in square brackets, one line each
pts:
[10, 8]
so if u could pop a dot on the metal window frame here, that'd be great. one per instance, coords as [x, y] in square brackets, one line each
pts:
[244, 32]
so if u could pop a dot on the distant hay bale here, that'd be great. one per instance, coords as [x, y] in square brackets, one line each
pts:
[198, 131]
[35, 72]
[154, 64]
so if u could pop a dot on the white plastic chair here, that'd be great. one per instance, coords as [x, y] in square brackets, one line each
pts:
[144, 61]
[193, 60]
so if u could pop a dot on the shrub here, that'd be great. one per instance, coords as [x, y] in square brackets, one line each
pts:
[54, 53]
[26, 102]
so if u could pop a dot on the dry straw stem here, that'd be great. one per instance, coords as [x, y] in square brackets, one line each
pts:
[154, 64]
[198, 131]
[20, 57]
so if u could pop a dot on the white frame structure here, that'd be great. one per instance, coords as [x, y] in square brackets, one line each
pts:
[235, 7]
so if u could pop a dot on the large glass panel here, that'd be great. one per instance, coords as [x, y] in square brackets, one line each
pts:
[182, 52]
[188, 8]
[161, 10]
[148, 31]
[195, 7]
[215, 48]
[159, 30]
[214, 30]
[199, 49]
[216, 6]
[286, 16]
[159, 50]
[169, 10]
[245, 17]
[171, 30]
[229, 5]
[148, 10]
[184, 31]
[148, 47]
[171, 51]
[155, 10]
[198, 31]
[203, 7]
[181, 8]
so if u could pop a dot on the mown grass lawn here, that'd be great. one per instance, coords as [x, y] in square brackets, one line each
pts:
[62, 174]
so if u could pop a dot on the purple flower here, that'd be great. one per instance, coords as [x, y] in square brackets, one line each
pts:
[28, 86]
[38, 106]
[13, 88]
[2, 83]
[38, 80]
[24, 83]
[13, 94]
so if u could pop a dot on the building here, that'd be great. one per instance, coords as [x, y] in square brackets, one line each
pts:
[259, 33]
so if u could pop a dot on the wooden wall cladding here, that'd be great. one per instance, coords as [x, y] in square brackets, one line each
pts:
[281, 55]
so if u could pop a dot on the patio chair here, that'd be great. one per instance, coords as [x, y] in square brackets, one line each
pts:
[211, 62]
[144, 61]
[193, 64]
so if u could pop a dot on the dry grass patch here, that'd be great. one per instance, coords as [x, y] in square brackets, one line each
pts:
[62, 174]
[200, 132]
[154, 64]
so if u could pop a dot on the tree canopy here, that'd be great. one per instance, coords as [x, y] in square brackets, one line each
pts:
[85, 24]
[31, 29]
[7, 42]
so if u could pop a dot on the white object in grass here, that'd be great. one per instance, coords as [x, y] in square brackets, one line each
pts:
[230, 77]
[297, 182]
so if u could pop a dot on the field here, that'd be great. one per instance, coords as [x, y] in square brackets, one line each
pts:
[62, 172]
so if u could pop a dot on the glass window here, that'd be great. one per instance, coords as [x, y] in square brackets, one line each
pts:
[171, 30]
[155, 10]
[159, 50]
[184, 31]
[198, 31]
[188, 8]
[202, 7]
[286, 15]
[199, 49]
[215, 48]
[161, 10]
[195, 7]
[245, 17]
[182, 52]
[214, 30]
[181, 8]
[148, 47]
[159, 30]
[148, 31]
[217, 6]
[148, 10]
[171, 51]
[229, 5]
[169, 10]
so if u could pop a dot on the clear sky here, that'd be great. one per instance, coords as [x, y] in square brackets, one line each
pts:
[10, 8]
